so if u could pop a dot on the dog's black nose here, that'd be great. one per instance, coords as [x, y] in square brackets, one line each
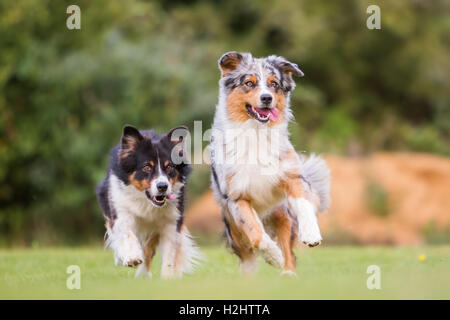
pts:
[162, 186]
[266, 98]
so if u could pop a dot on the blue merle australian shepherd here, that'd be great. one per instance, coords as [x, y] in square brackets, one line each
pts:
[142, 198]
[268, 193]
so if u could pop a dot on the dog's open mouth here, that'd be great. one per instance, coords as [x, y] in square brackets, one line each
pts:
[160, 200]
[156, 200]
[262, 114]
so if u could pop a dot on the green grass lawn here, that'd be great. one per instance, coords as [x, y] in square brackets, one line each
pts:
[323, 273]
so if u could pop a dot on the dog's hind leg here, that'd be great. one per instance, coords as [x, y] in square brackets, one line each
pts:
[247, 256]
[248, 230]
[284, 228]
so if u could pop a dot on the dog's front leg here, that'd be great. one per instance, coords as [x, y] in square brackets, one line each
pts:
[169, 243]
[125, 244]
[305, 210]
[144, 270]
[251, 232]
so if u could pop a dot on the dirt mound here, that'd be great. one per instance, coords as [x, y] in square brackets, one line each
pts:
[387, 198]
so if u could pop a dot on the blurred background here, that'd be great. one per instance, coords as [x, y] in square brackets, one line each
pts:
[376, 103]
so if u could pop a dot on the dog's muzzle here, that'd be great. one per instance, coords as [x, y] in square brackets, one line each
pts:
[160, 199]
[262, 114]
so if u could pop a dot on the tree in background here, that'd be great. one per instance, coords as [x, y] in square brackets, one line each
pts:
[65, 94]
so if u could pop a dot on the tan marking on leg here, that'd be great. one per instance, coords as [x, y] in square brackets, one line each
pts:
[240, 245]
[292, 184]
[245, 229]
[293, 187]
[282, 224]
[150, 250]
[249, 224]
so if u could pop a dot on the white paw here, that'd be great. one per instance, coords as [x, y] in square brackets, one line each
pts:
[133, 262]
[142, 271]
[288, 273]
[129, 255]
[270, 252]
[309, 232]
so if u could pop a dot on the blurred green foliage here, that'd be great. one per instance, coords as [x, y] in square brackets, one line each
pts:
[377, 199]
[436, 235]
[65, 94]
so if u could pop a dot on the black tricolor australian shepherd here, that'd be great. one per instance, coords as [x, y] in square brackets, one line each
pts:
[142, 198]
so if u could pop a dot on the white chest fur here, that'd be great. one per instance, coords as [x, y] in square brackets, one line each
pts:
[248, 157]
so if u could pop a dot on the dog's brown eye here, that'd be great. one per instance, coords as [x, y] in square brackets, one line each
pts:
[249, 84]
[147, 169]
[274, 84]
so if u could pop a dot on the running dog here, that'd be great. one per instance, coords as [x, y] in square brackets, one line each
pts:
[269, 200]
[142, 199]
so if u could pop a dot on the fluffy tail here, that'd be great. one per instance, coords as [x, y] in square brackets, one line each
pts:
[316, 174]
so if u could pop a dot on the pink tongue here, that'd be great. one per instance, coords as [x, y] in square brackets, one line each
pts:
[263, 111]
[273, 116]
[272, 112]
[171, 196]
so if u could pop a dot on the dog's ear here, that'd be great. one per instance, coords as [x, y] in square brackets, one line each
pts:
[229, 61]
[130, 140]
[287, 69]
[285, 66]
